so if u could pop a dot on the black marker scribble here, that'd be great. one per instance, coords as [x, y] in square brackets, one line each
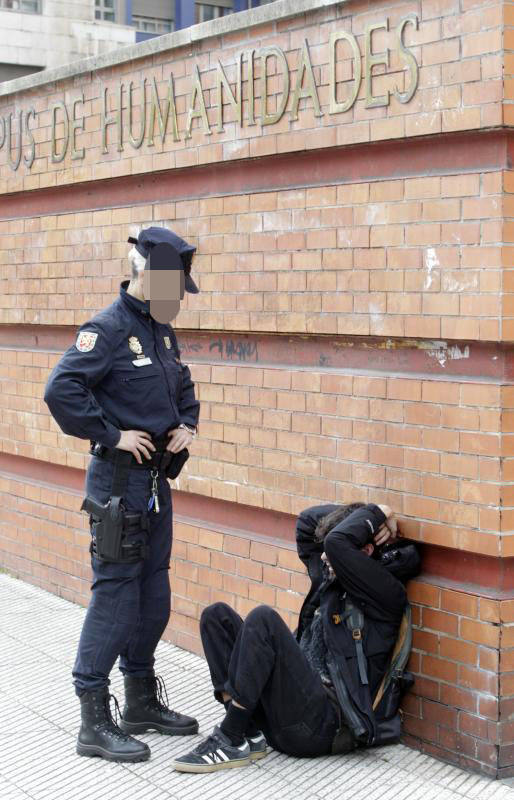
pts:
[235, 349]
[189, 347]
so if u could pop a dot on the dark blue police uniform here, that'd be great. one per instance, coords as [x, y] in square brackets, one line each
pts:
[96, 390]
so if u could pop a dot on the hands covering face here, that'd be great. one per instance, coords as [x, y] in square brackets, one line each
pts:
[388, 532]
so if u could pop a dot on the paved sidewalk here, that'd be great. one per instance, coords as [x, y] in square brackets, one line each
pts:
[39, 719]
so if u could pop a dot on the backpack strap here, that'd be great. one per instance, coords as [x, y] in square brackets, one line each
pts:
[400, 655]
[354, 622]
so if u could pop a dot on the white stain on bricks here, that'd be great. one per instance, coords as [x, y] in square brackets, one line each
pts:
[375, 313]
[462, 283]
[442, 353]
[431, 262]
[372, 211]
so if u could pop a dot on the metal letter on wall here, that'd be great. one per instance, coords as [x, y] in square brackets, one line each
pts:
[76, 125]
[335, 106]
[162, 118]
[114, 119]
[56, 157]
[137, 141]
[14, 164]
[28, 160]
[305, 66]
[197, 94]
[251, 88]
[268, 118]
[236, 101]
[408, 57]
[119, 117]
[372, 60]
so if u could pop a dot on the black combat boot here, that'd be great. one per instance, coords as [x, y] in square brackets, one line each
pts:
[146, 708]
[100, 735]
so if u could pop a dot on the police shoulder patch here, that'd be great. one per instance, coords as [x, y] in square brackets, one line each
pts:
[86, 341]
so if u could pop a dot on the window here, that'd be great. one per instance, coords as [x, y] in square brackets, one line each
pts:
[105, 10]
[208, 9]
[244, 5]
[152, 25]
[27, 6]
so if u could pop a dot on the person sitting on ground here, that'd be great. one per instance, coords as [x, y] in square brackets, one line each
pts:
[277, 686]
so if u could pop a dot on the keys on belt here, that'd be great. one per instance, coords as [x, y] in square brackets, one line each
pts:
[153, 502]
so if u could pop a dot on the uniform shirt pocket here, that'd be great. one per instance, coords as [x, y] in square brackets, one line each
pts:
[139, 389]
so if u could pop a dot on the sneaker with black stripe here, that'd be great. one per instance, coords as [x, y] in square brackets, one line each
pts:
[258, 746]
[214, 753]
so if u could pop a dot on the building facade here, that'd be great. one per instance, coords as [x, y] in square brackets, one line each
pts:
[41, 34]
[345, 172]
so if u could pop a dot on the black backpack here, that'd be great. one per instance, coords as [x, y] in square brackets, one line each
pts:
[380, 721]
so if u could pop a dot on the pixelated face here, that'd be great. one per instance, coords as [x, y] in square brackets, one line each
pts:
[164, 289]
[164, 283]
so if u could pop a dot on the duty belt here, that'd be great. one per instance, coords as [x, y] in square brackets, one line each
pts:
[160, 459]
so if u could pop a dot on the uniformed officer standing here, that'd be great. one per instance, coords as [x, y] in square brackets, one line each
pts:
[123, 386]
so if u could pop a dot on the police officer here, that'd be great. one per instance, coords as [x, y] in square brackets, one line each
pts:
[123, 386]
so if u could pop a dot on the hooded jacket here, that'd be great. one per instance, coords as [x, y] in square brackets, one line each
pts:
[372, 588]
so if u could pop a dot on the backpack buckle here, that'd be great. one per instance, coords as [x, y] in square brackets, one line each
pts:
[357, 634]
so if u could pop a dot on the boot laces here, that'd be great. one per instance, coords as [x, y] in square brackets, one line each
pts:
[160, 699]
[111, 722]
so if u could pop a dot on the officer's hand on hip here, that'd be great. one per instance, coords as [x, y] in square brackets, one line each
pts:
[179, 438]
[136, 442]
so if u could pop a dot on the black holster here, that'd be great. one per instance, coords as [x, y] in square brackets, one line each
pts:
[176, 463]
[117, 536]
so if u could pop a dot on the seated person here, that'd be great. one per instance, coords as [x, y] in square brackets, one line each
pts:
[277, 686]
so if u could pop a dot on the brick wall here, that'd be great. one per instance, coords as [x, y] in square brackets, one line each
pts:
[368, 272]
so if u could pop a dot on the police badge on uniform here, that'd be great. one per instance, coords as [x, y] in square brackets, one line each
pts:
[86, 341]
[167, 342]
[137, 348]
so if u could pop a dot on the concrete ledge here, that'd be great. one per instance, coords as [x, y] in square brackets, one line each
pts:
[281, 9]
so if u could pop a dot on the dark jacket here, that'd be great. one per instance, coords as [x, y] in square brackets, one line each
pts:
[96, 393]
[374, 590]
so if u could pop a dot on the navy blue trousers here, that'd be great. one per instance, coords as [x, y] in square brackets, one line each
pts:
[130, 603]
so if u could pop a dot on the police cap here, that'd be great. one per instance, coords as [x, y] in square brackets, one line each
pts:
[150, 237]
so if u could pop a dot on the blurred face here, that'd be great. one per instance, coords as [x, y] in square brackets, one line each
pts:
[164, 289]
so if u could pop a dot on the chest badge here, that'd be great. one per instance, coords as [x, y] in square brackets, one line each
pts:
[137, 348]
[167, 342]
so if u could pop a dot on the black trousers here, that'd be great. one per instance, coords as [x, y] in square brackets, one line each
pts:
[259, 663]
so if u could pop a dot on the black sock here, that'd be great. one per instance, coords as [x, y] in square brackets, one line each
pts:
[235, 723]
[252, 729]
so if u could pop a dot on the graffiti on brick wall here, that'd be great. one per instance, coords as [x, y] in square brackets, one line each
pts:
[235, 349]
